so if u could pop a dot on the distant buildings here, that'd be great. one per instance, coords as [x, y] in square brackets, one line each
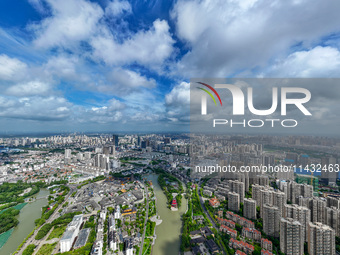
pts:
[328, 177]
[68, 153]
[321, 239]
[291, 237]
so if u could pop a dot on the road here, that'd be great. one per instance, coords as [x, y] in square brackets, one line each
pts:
[31, 239]
[208, 215]
[146, 219]
[206, 211]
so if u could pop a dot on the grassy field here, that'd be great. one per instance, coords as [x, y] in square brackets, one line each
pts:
[46, 249]
[4, 237]
[57, 232]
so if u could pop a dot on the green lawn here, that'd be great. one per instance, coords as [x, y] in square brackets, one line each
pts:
[46, 249]
[57, 232]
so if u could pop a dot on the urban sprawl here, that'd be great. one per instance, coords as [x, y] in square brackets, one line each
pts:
[104, 193]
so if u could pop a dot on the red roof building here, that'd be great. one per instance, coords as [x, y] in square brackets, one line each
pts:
[266, 244]
[238, 252]
[229, 231]
[246, 247]
[265, 252]
[174, 203]
[214, 202]
[251, 233]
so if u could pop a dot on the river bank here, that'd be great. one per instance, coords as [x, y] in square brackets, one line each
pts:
[28, 214]
[169, 231]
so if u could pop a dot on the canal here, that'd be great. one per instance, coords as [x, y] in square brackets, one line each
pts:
[168, 232]
[27, 216]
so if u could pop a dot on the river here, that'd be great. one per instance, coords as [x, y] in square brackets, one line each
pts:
[168, 232]
[27, 216]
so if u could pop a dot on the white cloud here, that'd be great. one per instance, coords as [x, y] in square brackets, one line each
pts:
[145, 47]
[228, 37]
[112, 112]
[11, 68]
[36, 108]
[38, 5]
[116, 8]
[31, 88]
[71, 21]
[67, 67]
[124, 81]
[177, 102]
[179, 95]
[317, 62]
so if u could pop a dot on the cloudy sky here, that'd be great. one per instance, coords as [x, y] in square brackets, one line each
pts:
[80, 65]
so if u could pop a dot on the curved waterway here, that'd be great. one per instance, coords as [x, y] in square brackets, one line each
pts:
[27, 216]
[168, 232]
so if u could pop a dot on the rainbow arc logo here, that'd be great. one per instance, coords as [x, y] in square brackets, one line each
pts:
[209, 93]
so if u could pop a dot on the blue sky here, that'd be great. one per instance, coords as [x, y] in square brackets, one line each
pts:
[79, 65]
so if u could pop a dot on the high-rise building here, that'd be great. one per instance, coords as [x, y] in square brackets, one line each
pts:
[308, 179]
[291, 237]
[333, 201]
[279, 200]
[68, 153]
[321, 239]
[328, 177]
[299, 213]
[233, 201]
[102, 161]
[294, 190]
[249, 208]
[292, 157]
[271, 220]
[317, 207]
[266, 199]
[87, 155]
[115, 140]
[80, 156]
[238, 187]
[256, 193]
[106, 150]
[262, 180]
[138, 141]
[332, 219]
